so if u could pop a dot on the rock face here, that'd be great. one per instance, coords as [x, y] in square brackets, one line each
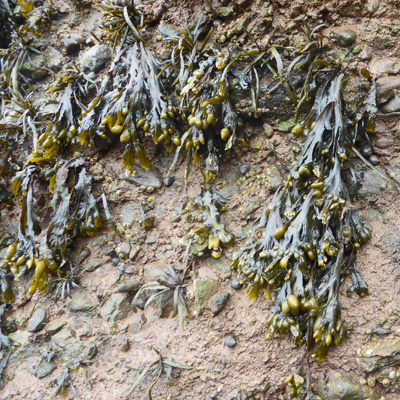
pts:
[341, 387]
[379, 352]
[95, 58]
[36, 322]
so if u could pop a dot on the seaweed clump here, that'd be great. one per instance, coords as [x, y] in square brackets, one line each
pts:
[311, 231]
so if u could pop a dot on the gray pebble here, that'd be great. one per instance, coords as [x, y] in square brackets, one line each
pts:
[235, 284]
[36, 322]
[45, 368]
[115, 261]
[366, 151]
[169, 181]
[374, 160]
[218, 302]
[346, 37]
[230, 341]
[244, 169]
[123, 250]
[129, 286]
[141, 302]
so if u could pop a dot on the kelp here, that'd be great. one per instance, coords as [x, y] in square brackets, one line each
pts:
[131, 103]
[60, 132]
[213, 232]
[122, 20]
[76, 214]
[201, 76]
[312, 233]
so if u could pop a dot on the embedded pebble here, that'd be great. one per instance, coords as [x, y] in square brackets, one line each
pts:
[346, 37]
[36, 322]
[230, 341]
[129, 286]
[374, 160]
[235, 284]
[366, 151]
[141, 302]
[144, 178]
[244, 169]
[169, 181]
[115, 261]
[123, 250]
[218, 302]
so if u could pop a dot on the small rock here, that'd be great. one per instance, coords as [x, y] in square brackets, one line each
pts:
[218, 302]
[268, 130]
[346, 37]
[393, 105]
[383, 143]
[123, 250]
[80, 301]
[371, 184]
[56, 327]
[387, 65]
[366, 54]
[366, 151]
[135, 324]
[374, 160]
[45, 368]
[115, 261]
[244, 169]
[230, 341]
[36, 322]
[134, 252]
[145, 178]
[285, 125]
[129, 214]
[235, 284]
[232, 395]
[141, 302]
[115, 308]
[95, 58]
[129, 286]
[169, 181]
[72, 43]
[385, 88]
[295, 11]
[204, 289]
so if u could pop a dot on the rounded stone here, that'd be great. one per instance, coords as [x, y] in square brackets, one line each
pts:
[169, 181]
[235, 284]
[346, 37]
[244, 169]
[230, 341]
[141, 302]
[366, 151]
[115, 261]
[374, 160]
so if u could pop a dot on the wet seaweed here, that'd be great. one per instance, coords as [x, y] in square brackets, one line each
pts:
[312, 233]
[213, 232]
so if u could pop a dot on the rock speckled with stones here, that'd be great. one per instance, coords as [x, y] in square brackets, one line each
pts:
[218, 302]
[37, 321]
